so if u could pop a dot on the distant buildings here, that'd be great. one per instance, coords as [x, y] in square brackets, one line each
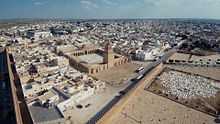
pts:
[64, 54]
[37, 35]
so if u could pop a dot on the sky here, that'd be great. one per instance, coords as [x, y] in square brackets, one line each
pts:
[105, 9]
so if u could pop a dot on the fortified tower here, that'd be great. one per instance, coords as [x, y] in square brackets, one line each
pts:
[109, 55]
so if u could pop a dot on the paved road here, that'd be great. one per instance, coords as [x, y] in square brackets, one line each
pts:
[128, 86]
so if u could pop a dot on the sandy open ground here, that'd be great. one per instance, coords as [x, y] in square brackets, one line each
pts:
[117, 74]
[203, 71]
[148, 108]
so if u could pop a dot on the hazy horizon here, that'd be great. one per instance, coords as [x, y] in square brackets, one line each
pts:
[109, 9]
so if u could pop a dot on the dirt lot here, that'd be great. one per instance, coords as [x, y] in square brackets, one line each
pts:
[203, 71]
[118, 74]
[148, 108]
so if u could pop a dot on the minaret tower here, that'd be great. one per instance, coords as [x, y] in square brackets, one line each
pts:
[109, 55]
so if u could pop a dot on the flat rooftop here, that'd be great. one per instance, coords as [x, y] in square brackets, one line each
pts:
[91, 58]
[41, 114]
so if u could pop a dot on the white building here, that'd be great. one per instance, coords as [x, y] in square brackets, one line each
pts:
[49, 97]
[75, 99]
[144, 55]
[31, 89]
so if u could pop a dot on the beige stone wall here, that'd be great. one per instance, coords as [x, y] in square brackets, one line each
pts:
[102, 67]
[120, 61]
[97, 68]
[84, 52]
